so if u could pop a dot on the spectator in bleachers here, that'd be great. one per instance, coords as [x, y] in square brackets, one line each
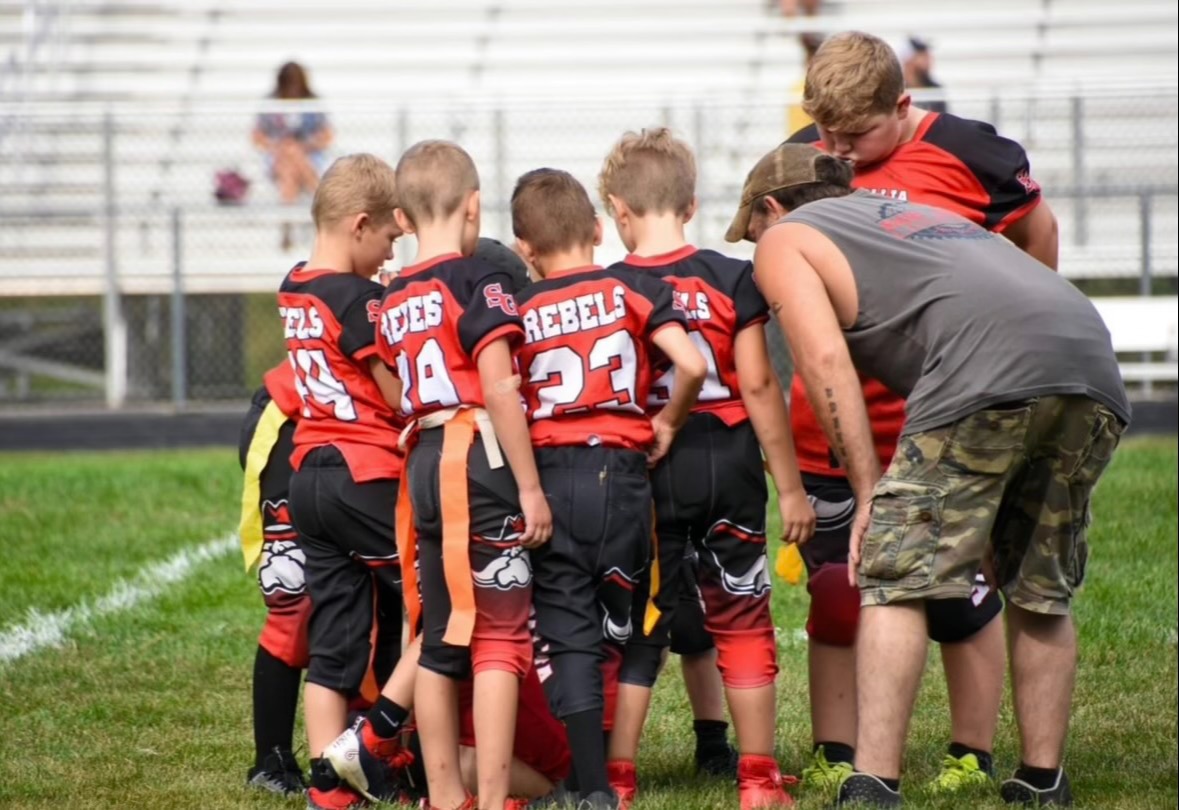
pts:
[790, 8]
[917, 64]
[295, 142]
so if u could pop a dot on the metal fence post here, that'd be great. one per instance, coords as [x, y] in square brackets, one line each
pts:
[178, 315]
[501, 174]
[1080, 204]
[1145, 281]
[114, 323]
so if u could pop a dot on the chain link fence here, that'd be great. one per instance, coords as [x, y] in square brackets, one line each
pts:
[123, 280]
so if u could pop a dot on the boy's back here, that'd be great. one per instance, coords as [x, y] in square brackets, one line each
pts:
[719, 299]
[435, 318]
[587, 362]
[328, 323]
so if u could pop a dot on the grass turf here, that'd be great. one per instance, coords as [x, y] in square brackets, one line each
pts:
[150, 708]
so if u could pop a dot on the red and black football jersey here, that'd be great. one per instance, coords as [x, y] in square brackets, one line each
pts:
[719, 299]
[280, 384]
[328, 320]
[954, 163]
[435, 318]
[587, 355]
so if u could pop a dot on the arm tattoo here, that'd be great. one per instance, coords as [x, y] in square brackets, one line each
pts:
[836, 430]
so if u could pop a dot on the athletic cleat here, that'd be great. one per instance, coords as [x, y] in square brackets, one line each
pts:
[370, 764]
[760, 783]
[599, 800]
[340, 797]
[624, 783]
[721, 763]
[865, 789]
[959, 773]
[279, 772]
[559, 799]
[1017, 791]
[825, 776]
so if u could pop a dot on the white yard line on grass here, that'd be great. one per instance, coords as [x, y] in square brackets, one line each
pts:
[49, 629]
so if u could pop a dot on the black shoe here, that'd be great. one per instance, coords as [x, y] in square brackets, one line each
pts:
[279, 773]
[717, 763]
[1017, 791]
[866, 789]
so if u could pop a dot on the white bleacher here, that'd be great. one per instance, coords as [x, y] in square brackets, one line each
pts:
[182, 78]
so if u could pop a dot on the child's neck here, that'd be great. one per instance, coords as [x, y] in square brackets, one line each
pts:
[912, 122]
[440, 237]
[331, 252]
[656, 234]
[563, 261]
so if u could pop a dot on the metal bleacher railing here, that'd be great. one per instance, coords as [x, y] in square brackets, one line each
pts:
[121, 278]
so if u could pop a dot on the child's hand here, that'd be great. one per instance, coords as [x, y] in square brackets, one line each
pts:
[664, 434]
[798, 516]
[538, 519]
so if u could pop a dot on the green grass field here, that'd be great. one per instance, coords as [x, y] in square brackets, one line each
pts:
[149, 707]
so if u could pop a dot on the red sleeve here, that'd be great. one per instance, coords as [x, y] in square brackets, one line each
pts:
[280, 384]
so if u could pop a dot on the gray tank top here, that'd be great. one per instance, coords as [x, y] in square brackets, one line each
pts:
[955, 318]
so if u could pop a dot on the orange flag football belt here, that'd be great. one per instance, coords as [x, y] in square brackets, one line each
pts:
[459, 426]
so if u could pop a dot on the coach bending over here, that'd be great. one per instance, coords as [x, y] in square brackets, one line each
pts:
[1014, 406]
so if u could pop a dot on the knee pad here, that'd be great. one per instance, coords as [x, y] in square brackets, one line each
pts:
[506, 655]
[747, 659]
[640, 665]
[954, 620]
[446, 660]
[835, 607]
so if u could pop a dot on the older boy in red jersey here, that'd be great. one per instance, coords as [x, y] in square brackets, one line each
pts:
[448, 324]
[589, 339]
[346, 470]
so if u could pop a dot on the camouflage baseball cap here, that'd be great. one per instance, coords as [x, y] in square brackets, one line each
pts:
[789, 165]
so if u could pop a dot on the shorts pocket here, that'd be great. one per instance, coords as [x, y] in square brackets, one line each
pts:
[987, 442]
[903, 534]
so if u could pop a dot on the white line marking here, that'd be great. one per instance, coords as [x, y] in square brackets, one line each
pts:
[50, 629]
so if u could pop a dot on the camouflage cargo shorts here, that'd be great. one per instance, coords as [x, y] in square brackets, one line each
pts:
[1014, 479]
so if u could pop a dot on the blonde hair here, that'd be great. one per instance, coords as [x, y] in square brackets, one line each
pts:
[552, 212]
[434, 178]
[651, 171]
[852, 77]
[355, 184]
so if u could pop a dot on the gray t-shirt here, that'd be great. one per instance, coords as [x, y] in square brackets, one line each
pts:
[955, 318]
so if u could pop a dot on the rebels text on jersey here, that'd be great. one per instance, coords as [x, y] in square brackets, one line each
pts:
[953, 163]
[327, 321]
[434, 320]
[586, 359]
[719, 299]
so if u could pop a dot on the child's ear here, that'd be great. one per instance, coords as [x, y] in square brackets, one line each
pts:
[597, 231]
[359, 223]
[525, 252]
[615, 207]
[403, 221]
[903, 106]
[693, 207]
[473, 206]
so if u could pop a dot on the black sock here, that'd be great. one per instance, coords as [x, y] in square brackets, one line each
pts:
[1039, 778]
[585, 744]
[837, 752]
[323, 775]
[387, 717]
[276, 699]
[984, 757]
[892, 784]
[711, 738]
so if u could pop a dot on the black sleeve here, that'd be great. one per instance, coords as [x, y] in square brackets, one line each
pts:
[748, 303]
[808, 134]
[1000, 165]
[662, 297]
[489, 311]
[358, 324]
